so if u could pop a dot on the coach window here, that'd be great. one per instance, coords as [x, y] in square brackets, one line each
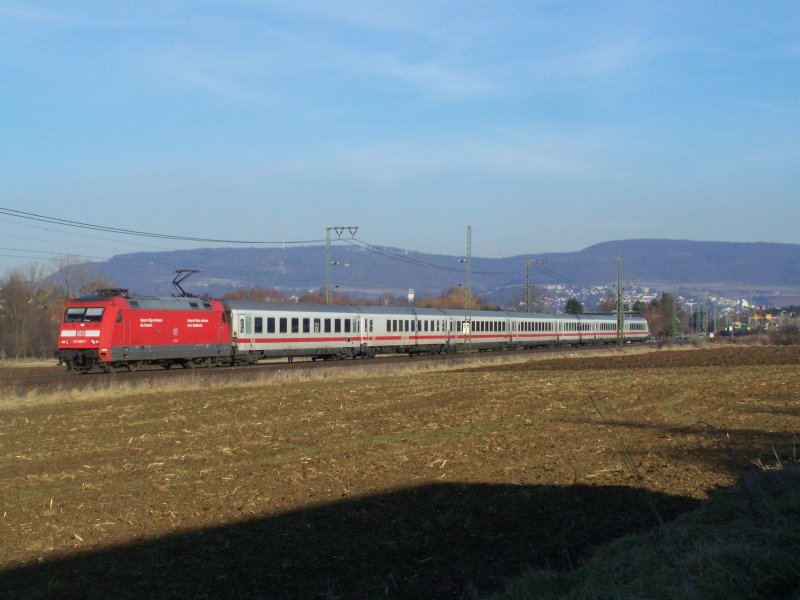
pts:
[270, 324]
[408, 327]
[347, 325]
[394, 325]
[370, 325]
[306, 325]
[316, 326]
[259, 325]
[337, 325]
[284, 325]
[295, 325]
[327, 325]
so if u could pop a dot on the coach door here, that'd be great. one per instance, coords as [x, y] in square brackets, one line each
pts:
[244, 328]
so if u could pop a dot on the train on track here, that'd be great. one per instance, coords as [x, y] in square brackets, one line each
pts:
[116, 330]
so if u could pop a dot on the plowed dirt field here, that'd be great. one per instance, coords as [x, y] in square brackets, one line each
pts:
[436, 484]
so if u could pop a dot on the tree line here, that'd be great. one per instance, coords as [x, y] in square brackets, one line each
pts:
[32, 300]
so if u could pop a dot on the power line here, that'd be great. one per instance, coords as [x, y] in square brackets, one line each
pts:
[377, 250]
[132, 232]
[415, 261]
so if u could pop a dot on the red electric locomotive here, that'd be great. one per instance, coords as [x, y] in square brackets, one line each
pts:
[113, 330]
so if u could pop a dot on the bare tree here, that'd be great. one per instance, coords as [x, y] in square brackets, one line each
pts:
[608, 303]
[30, 309]
[79, 278]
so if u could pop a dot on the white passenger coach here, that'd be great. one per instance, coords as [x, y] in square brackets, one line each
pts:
[329, 331]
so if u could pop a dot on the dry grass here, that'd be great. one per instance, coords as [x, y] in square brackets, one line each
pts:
[108, 387]
[27, 363]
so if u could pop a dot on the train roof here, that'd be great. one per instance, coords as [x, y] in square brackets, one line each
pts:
[153, 302]
[399, 311]
[196, 303]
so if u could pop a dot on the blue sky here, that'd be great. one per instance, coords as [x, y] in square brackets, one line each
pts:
[546, 126]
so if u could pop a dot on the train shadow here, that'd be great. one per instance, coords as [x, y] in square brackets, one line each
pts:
[433, 541]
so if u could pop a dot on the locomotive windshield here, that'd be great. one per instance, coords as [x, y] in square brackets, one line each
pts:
[83, 315]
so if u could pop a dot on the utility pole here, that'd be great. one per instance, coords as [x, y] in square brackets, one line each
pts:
[468, 299]
[621, 302]
[328, 262]
[620, 306]
[528, 283]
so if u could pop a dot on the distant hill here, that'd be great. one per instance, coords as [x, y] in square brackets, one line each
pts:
[375, 271]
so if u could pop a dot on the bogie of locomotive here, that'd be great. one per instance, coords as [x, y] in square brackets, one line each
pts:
[113, 330]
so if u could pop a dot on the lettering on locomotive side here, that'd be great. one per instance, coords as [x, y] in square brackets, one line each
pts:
[194, 323]
[149, 321]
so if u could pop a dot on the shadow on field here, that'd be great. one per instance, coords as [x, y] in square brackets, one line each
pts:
[435, 541]
[724, 450]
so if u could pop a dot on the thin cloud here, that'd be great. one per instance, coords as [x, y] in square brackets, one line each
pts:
[605, 58]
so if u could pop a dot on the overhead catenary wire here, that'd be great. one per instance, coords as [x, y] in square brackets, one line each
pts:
[371, 248]
[415, 261]
[132, 232]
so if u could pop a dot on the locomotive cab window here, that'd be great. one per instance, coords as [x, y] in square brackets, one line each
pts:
[93, 315]
[83, 315]
[74, 315]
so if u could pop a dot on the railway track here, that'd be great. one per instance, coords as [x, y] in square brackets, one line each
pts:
[52, 379]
